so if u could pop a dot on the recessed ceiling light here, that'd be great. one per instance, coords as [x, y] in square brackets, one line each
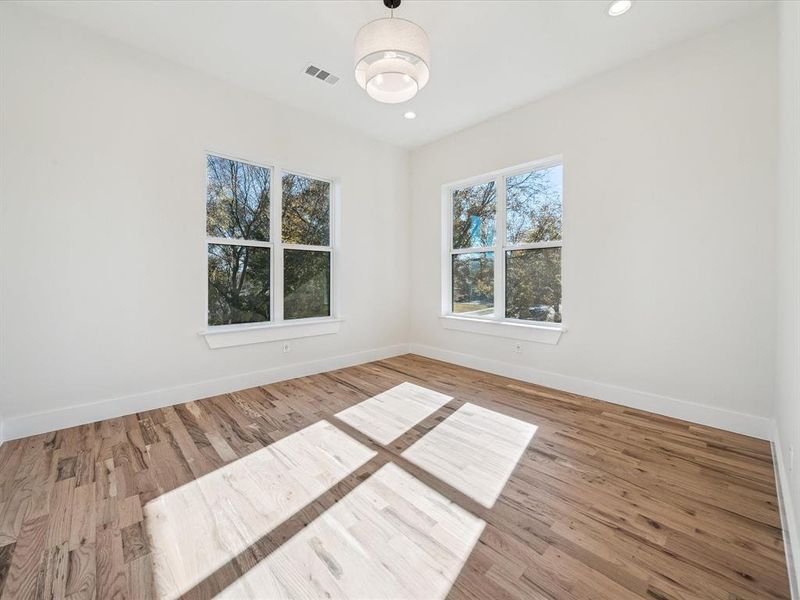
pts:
[410, 115]
[619, 7]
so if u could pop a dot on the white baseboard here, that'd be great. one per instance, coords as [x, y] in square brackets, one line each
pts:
[25, 425]
[788, 522]
[755, 426]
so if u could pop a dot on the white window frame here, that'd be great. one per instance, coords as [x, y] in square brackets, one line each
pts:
[496, 323]
[277, 328]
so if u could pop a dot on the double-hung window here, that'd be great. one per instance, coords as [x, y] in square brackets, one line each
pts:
[268, 262]
[503, 250]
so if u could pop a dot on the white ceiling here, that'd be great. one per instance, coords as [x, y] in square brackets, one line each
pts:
[487, 56]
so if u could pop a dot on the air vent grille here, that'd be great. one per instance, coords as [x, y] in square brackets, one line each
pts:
[321, 74]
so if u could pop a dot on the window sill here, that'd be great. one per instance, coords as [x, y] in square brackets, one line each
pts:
[545, 334]
[225, 336]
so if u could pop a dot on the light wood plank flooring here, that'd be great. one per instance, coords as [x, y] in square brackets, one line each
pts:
[391, 413]
[391, 537]
[474, 450]
[605, 501]
[200, 526]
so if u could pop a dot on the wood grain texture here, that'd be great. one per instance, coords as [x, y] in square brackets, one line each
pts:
[392, 537]
[200, 526]
[390, 414]
[605, 502]
[474, 450]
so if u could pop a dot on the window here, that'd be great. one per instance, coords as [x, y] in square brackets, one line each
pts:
[268, 262]
[306, 239]
[503, 259]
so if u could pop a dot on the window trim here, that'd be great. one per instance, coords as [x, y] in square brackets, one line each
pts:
[240, 334]
[277, 328]
[497, 323]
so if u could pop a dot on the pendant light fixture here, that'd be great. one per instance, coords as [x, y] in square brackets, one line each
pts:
[392, 57]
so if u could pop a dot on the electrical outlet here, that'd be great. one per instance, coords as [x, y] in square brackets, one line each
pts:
[286, 347]
[791, 458]
[518, 348]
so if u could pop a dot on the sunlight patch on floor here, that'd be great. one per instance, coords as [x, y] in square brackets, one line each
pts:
[474, 450]
[391, 537]
[200, 526]
[390, 414]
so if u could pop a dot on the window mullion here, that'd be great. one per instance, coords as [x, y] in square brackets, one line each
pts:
[333, 296]
[238, 242]
[447, 251]
[499, 254]
[535, 245]
[307, 247]
[475, 250]
[276, 216]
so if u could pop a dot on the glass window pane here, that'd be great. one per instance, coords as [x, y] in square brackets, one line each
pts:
[473, 283]
[237, 200]
[474, 211]
[533, 203]
[533, 284]
[306, 283]
[306, 210]
[238, 284]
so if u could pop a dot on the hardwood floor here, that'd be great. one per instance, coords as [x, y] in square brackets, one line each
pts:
[200, 526]
[391, 413]
[415, 549]
[605, 501]
[475, 450]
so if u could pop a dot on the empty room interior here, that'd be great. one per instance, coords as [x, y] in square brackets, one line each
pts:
[383, 300]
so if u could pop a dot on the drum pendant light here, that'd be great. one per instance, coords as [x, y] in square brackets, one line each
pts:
[392, 58]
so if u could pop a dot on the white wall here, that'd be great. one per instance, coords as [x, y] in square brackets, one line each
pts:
[669, 202]
[670, 186]
[787, 406]
[103, 208]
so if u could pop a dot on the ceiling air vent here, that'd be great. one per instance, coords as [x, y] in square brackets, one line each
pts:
[321, 74]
